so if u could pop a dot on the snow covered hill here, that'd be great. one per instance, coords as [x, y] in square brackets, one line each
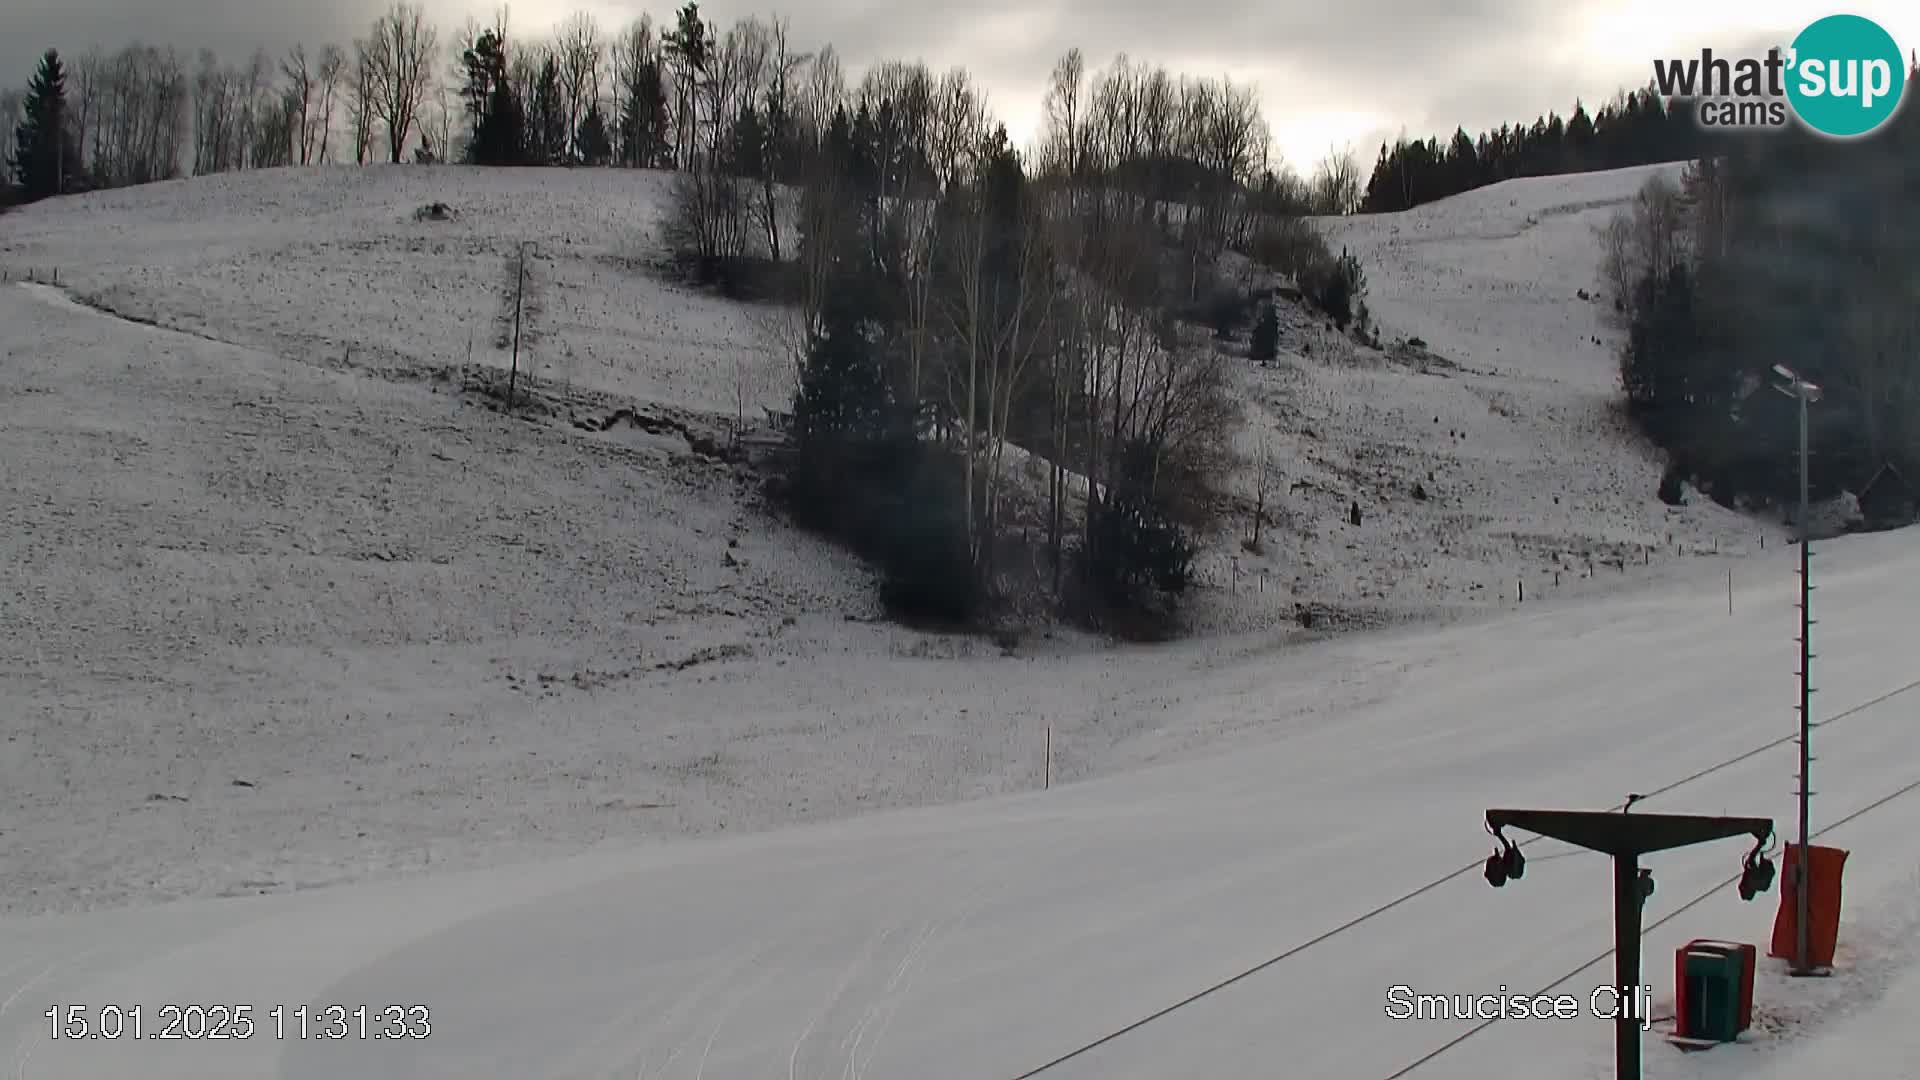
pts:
[286, 607]
[1508, 425]
[1491, 458]
[331, 264]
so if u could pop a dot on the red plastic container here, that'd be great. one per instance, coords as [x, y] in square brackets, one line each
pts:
[1823, 904]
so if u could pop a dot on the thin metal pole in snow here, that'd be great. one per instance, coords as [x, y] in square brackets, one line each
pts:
[1802, 886]
[519, 291]
[1046, 780]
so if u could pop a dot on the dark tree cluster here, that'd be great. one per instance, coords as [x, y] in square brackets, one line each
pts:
[515, 121]
[1786, 249]
[961, 307]
[1637, 128]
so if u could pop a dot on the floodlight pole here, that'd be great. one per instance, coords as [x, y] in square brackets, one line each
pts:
[1802, 957]
[1626, 837]
[1803, 392]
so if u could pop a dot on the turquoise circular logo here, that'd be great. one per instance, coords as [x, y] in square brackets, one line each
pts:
[1846, 77]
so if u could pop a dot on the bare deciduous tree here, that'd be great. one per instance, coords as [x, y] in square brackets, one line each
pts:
[143, 117]
[400, 51]
[13, 111]
[825, 89]
[743, 381]
[1061, 137]
[275, 130]
[83, 95]
[302, 81]
[1336, 183]
[1021, 340]
[1617, 264]
[362, 101]
[333, 64]
[1645, 238]
[218, 131]
[953, 127]
[777, 101]
[255, 109]
[582, 51]
[1266, 481]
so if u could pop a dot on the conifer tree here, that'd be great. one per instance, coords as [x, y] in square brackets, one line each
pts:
[46, 161]
[596, 145]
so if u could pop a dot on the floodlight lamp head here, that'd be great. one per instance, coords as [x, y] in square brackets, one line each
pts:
[1506, 864]
[1503, 865]
[1795, 386]
[1756, 872]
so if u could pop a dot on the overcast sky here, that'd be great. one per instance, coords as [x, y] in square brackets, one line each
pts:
[1348, 72]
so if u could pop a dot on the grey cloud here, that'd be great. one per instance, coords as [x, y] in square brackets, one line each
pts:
[1391, 56]
[232, 28]
[1330, 48]
[1429, 65]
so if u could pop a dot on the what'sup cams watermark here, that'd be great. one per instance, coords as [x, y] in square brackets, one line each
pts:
[1843, 77]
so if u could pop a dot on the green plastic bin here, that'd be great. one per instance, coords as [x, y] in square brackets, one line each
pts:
[1712, 996]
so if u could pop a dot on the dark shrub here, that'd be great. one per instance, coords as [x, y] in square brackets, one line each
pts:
[1335, 287]
[1264, 345]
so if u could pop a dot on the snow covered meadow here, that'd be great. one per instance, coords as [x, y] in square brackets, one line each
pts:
[294, 630]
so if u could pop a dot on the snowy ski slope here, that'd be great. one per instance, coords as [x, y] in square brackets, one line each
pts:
[561, 736]
[985, 939]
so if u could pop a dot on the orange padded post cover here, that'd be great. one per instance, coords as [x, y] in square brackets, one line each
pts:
[1823, 904]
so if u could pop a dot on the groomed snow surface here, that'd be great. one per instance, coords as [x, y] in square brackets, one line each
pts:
[563, 736]
[984, 939]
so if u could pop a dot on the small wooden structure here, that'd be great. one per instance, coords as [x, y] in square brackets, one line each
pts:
[1888, 501]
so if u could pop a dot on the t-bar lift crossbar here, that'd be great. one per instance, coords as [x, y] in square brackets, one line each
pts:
[1626, 837]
